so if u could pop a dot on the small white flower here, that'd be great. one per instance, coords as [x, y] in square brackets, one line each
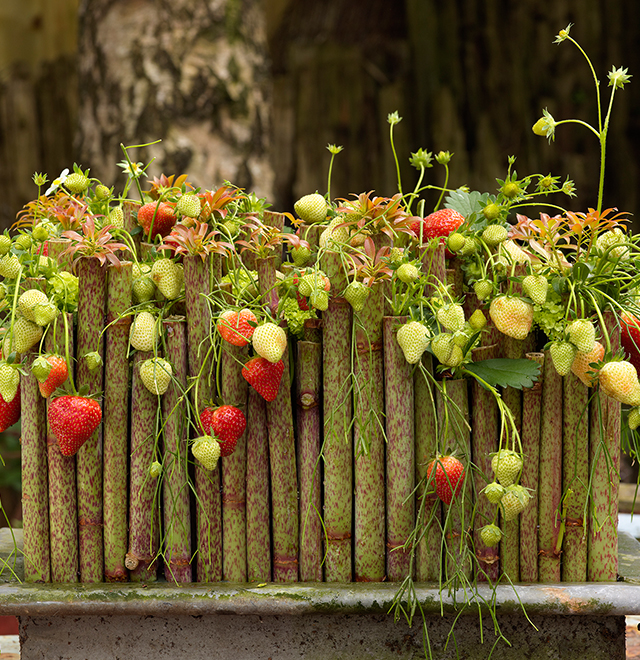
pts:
[59, 181]
[134, 170]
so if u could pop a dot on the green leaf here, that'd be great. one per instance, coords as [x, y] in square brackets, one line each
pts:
[466, 203]
[506, 372]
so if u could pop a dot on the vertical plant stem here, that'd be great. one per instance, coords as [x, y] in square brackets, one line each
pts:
[116, 421]
[550, 478]
[484, 420]
[267, 282]
[143, 503]
[575, 455]
[398, 391]
[531, 426]
[429, 523]
[433, 266]
[175, 469]
[91, 312]
[234, 472]
[308, 395]
[337, 449]
[258, 489]
[368, 440]
[63, 502]
[331, 264]
[276, 220]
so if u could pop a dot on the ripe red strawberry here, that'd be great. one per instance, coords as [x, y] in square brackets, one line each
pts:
[57, 375]
[9, 412]
[163, 222]
[72, 420]
[439, 223]
[449, 477]
[264, 376]
[236, 327]
[630, 338]
[226, 423]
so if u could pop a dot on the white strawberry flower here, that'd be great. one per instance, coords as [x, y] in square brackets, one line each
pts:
[56, 183]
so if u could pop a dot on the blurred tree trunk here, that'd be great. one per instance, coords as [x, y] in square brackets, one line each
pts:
[194, 74]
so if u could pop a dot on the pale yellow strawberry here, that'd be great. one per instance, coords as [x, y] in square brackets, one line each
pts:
[29, 300]
[619, 380]
[413, 339]
[9, 382]
[155, 374]
[207, 451]
[26, 334]
[144, 332]
[168, 277]
[269, 341]
[582, 361]
[512, 316]
[334, 234]
[312, 208]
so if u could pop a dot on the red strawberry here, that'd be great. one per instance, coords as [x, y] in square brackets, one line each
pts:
[56, 377]
[9, 412]
[236, 327]
[72, 420]
[439, 223]
[264, 376]
[630, 338]
[163, 222]
[226, 423]
[449, 477]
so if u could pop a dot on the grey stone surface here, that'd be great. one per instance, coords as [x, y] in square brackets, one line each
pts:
[340, 637]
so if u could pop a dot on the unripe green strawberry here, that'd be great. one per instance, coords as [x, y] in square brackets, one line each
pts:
[408, 273]
[143, 290]
[155, 374]
[189, 205]
[138, 270]
[334, 234]
[155, 470]
[311, 208]
[535, 287]
[613, 242]
[40, 232]
[44, 314]
[582, 334]
[512, 316]
[102, 192]
[168, 278]
[515, 252]
[23, 242]
[413, 339]
[9, 382]
[477, 320]
[619, 380]
[26, 334]
[461, 337]
[319, 299]
[493, 492]
[93, 361]
[269, 341]
[76, 183]
[634, 418]
[311, 282]
[483, 288]
[491, 535]
[511, 189]
[506, 465]
[5, 244]
[514, 501]
[9, 266]
[29, 300]
[563, 354]
[446, 350]
[395, 257]
[207, 451]
[300, 255]
[116, 217]
[456, 241]
[356, 294]
[41, 368]
[491, 211]
[470, 247]
[451, 317]
[144, 332]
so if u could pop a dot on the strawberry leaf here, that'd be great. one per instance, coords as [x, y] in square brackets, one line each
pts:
[506, 372]
[466, 203]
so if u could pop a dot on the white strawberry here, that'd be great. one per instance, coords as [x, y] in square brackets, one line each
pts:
[269, 341]
[413, 339]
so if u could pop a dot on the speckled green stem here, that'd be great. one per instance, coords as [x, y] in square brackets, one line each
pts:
[116, 421]
[143, 499]
[575, 450]
[337, 449]
[331, 264]
[433, 265]
[428, 556]
[55, 248]
[398, 394]
[267, 280]
[311, 234]
[35, 493]
[275, 219]
[531, 425]
[175, 468]
[452, 400]
[484, 420]
[284, 482]
[550, 479]
[91, 313]
[368, 441]
[234, 472]
[258, 490]
[308, 398]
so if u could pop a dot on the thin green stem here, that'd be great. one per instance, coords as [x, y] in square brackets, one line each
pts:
[444, 187]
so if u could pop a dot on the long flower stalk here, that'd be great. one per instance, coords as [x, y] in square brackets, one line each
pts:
[308, 398]
[116, 421]
[337, 449]
[175, 465]
[368, 440]
[400, 473]
[91, 312]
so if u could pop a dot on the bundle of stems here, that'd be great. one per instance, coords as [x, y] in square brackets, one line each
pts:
[175, 468]
[400, 473]
[308, 395]
[116, 421]
[337, 450]
[368, 440]
[91, 312]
